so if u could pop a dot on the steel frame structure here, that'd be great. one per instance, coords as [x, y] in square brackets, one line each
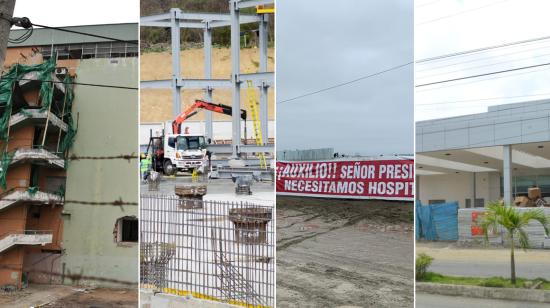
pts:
[176, 19]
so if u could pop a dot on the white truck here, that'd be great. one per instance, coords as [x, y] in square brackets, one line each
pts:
[177, 152]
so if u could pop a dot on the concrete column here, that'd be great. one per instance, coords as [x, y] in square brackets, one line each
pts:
[264, 118]
[6, 9]
[507, 174]
[235, 71]
[208, 75]
[176, 71]
[473, 203]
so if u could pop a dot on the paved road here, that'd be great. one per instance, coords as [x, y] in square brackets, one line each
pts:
[485, 262]
[490, 269]
[424, 300]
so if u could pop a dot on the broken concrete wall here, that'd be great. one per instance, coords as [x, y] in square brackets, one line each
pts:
[107, 125]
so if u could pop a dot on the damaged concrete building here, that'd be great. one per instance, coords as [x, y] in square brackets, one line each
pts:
[67, 214]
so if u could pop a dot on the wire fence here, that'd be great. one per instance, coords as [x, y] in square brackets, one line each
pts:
[222, 251]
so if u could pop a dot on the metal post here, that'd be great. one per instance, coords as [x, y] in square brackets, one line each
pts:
[176, 73]
[264, 118]
[6, 9]
[208, 75]
[235, 71]
[507, 174]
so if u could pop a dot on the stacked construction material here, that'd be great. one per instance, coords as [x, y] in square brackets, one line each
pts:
[469, 221]
[533, 199]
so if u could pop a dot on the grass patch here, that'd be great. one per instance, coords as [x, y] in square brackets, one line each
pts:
[495, 282]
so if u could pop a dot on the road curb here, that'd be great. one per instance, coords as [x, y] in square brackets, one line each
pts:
[522, 295]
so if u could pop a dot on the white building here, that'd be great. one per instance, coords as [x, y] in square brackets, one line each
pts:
[484, 157]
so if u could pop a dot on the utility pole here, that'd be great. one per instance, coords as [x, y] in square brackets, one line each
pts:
[6, 11]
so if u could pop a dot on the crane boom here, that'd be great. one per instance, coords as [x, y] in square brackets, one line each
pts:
[200, 104]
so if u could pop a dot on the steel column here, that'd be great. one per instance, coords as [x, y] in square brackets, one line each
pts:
[208, 75]
[176, 72]
[235, 70]
[507, 174]
[264, 117]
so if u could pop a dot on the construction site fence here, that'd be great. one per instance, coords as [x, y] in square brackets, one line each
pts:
[437, 222]
[213, 250]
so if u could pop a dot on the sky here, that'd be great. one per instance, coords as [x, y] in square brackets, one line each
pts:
[449, 26]
[78, 12]
[322, 43]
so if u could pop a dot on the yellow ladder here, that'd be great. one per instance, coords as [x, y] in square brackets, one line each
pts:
[256, 121]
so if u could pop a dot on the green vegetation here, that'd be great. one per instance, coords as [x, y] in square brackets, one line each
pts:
[514, 222]
[495, 282]
[423, 262]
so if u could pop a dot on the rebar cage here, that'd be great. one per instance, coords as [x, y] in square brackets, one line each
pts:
[221, 251]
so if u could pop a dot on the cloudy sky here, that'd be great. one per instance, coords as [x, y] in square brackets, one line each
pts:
[78, 12]
[322, 43]
[449, 26]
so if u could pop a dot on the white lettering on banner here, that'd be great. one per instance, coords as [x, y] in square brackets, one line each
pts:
[392, 179]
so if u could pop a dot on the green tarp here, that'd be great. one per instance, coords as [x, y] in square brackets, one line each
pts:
[44, 74]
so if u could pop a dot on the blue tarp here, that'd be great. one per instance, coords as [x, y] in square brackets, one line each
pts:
[437, 222]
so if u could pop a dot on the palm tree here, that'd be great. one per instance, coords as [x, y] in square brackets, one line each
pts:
[514, 222]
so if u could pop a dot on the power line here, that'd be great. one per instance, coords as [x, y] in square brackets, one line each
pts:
[466, 52]
[459, 13]
[486, 65]
[482, 80]
[481, 59]
[87, 34]
[481, 75]
[345, 83]
[28, 25]
[78, 83]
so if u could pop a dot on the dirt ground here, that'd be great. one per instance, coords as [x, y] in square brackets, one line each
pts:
[156, 105]
[69, 296]
[333, 253]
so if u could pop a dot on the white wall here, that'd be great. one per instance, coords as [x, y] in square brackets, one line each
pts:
[459, 187]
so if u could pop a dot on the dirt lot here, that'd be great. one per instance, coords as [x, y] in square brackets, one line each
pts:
[333, 253]
[67, 296]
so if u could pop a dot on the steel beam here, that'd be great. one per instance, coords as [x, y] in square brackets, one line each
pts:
[252, 3]
[204, 83]
[168, 24]
[249, 148]
[189, 84]
[160, 17]
[235, 70]
[264, 117]
[208, 74]
[176, 73]
[196, 20]
[258, 79]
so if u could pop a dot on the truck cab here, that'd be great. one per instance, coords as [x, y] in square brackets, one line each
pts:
[184, 152]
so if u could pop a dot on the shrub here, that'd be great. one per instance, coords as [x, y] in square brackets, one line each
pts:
[423, 261]
[493, 282]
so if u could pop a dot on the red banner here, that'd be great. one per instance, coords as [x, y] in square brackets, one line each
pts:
[355, 179]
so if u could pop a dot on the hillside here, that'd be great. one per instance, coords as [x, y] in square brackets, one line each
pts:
[156, 105]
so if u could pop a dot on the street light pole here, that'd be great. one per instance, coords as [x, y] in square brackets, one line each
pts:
[6, 11]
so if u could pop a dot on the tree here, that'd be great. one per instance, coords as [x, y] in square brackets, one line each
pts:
[514, 222]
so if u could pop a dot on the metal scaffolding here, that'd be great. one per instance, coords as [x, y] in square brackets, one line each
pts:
[176, 19]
